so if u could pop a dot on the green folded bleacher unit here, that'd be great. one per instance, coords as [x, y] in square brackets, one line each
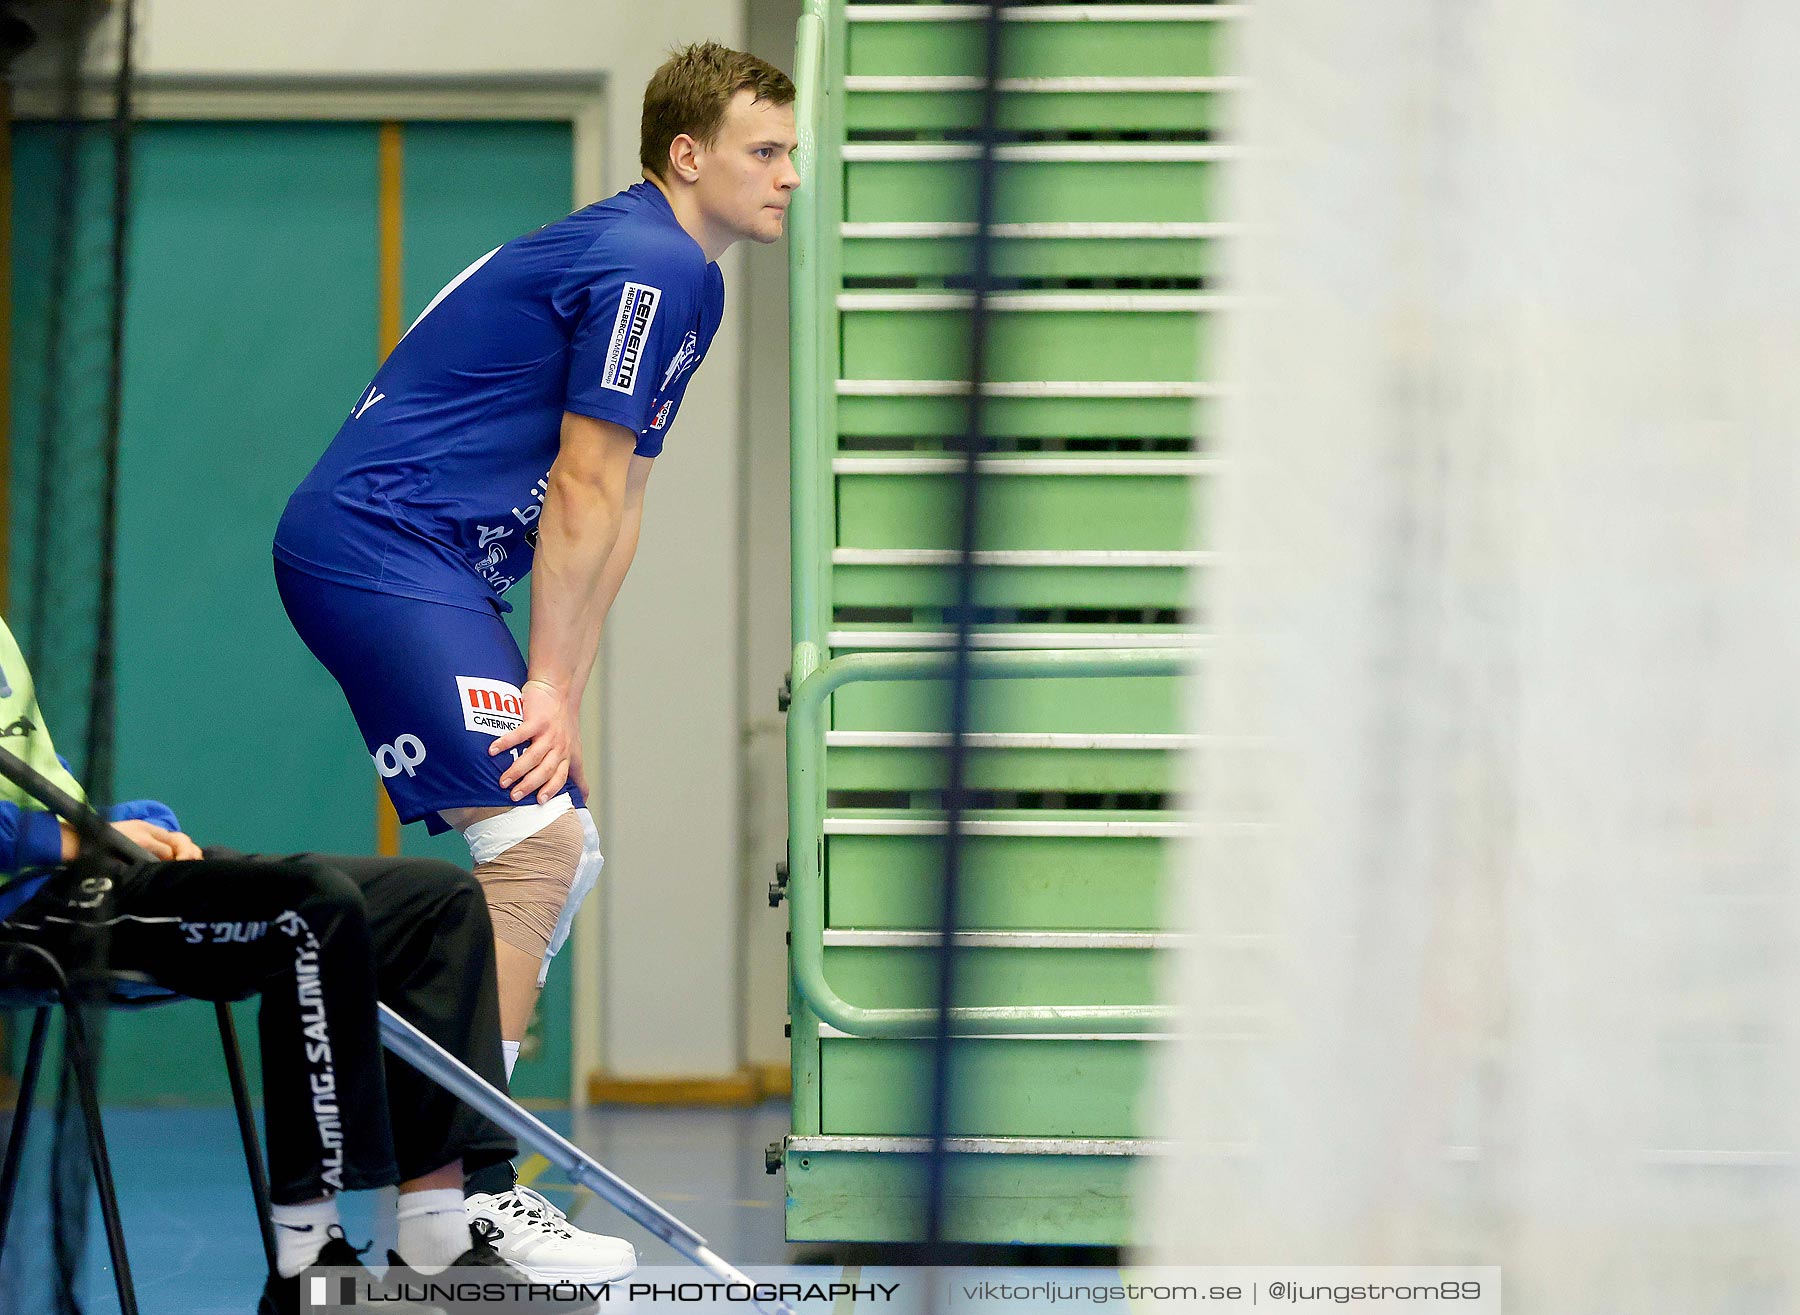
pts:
[1101, 341]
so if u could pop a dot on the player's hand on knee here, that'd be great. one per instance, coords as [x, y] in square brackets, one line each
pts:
[547, 729]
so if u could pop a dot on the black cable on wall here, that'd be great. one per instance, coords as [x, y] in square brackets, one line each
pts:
[100, 729]
[961, 683]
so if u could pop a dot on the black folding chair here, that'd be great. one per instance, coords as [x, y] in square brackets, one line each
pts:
[31, 978]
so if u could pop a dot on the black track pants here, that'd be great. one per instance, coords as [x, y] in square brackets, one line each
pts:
[321, 937]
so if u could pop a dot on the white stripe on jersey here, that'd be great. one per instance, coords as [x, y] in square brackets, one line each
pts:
[450, 287]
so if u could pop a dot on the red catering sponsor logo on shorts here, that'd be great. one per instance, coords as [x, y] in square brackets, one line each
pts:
[492, 707]
[662, 415]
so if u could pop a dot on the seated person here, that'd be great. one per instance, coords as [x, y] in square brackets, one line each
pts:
[322, 938]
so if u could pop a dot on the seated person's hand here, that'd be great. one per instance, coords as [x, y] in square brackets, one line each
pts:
[166, 845]
[161, 844]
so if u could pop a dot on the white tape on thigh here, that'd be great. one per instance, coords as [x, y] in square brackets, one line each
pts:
[492, 837]
[587, 874]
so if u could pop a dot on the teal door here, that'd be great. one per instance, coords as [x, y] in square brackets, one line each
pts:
[251, 327]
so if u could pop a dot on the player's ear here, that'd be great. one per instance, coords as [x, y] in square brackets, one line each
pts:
[684, 158]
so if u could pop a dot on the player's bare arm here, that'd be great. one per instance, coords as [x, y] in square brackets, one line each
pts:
[584, 511]
[618, 563]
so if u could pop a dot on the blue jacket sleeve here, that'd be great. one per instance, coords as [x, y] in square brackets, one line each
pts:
[153, 811]
[29, 838]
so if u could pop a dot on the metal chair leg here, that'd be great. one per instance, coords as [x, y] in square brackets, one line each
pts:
[21, 1119]
[87, 1091]
[253, 1158]
[80, 1059]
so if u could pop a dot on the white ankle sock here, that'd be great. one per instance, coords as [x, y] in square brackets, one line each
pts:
[300, 1232]
[510, 1049]
[434, 1228]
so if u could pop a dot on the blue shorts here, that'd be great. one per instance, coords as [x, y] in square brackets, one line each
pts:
[431, 686]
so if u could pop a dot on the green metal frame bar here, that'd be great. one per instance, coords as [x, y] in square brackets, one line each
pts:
[806, 828]
[812, 288]
[814, 253]
[813, 243]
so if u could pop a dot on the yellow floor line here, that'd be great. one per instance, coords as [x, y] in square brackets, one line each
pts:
[846, 1301]
[530, 1168]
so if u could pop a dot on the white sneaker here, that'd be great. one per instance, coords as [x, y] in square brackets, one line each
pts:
[538, 1238]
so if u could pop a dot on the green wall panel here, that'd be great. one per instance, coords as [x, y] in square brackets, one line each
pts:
[1012, 587]
[1008, 883]
[240, 358]
[1138, 705]
[876, 977]
[472, 186]
[1116, 258]
[1090, 47]
[880, 1197]
[1108, 112]
[75, 405]
[1032, 191]
[1020, 511]
[1164, 346]
[1013, 417]
[1105, 770]
[1001, 1088]
[248, 334]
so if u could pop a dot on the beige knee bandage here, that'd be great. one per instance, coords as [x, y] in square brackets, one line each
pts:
[527, 883]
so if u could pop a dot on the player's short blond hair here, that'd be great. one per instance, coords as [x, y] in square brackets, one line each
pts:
[691, 92]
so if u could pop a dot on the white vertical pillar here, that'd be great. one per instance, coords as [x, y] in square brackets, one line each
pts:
[1505, 641]
[669, 773]
[766, 607]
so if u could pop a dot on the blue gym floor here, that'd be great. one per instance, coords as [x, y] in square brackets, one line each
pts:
[192, 1239]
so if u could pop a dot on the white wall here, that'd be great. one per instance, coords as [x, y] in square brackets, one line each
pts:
[343, 37]
[692, 974]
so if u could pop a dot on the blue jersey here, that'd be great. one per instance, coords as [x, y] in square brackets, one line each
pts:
[433, 486]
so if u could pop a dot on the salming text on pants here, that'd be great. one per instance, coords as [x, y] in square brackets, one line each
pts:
[321, 937]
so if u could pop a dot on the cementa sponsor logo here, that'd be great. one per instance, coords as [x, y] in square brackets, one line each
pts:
[631, 334]
[492, 707]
